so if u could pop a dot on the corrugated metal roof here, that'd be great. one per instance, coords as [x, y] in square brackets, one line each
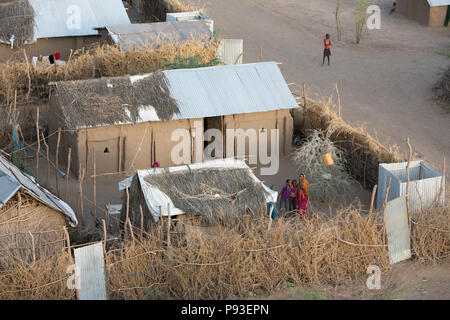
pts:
[217, 91]
[132, 36]
[227, 90]
[12, 179]
[437, 3]
[53, 18]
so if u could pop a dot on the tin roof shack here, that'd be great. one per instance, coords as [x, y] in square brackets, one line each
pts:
[44, 27]
[130, 122]
[424, 188]
[141, 35]
[431, 13]
[28, 209]
[218, 191]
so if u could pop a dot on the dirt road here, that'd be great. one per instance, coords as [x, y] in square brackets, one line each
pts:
[385, 82]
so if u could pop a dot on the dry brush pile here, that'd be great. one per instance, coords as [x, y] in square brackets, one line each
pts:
[362, 151]
[31, 82]
[156, 10]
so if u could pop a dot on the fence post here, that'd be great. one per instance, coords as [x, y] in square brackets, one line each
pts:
[67, 174]
[56, 161]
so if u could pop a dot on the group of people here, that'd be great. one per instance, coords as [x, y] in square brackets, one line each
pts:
[294, 196]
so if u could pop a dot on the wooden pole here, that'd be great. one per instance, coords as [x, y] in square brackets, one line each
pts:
[95, 191]
[66, 190]
[339, 101]
[66, 233]
[28, 75]
[169, 223]
[384, 208]
[260, 54]
[374, 191]
[142, 221]
[56, 161]
[107, 213]
[441, 189]
[131, 231]
[161, 230]
[23, 138]
[408, 183]
[14, 117]
[38, 141]
[127, 209]
[270, 218]
[33, 247]
[80, 194]
[48, 159]
[104, 235]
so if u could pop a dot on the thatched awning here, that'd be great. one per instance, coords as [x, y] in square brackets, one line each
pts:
[114, 101]
[17, 21]
[221, 191]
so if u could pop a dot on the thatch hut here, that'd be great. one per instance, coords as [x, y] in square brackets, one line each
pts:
[127, 123]
[44, 27]
[32, 219]
[217, 191]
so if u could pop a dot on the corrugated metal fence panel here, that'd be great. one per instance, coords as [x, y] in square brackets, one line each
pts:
[91, 272]
[383, 181]
[53, 18]
[422, 193]
[231, 51]
[226, 90]
[397, 230]
[424, 186]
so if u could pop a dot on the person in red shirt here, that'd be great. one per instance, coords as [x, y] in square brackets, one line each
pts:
[327, 49]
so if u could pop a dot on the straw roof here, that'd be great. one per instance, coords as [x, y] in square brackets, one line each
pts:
[221, 191]
[16, 18]
[112, 101]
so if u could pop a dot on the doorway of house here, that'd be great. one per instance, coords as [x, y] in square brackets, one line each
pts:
[212, 123]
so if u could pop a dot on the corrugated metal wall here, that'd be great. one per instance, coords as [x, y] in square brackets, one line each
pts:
[231, 51]
[425, 184]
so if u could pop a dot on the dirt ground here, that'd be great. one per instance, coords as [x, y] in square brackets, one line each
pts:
[406, 280]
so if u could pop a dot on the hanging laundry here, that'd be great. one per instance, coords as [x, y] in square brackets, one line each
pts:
[57, 55]
[17, 142]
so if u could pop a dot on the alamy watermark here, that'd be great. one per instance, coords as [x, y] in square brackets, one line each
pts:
[236, 142]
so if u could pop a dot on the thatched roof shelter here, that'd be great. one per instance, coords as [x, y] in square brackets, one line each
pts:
[220, 191]
[17, 21]
[32, 219]
[112, 101]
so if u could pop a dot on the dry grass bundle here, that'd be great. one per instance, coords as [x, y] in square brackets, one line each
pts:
[431, 234]
[220, 196]
[23, 215]
[100, 61]
[326, 182]
[363, 152]
[16, 19]
[43, 280]
[156, 10]
[110, 101]
[442, 90]
[220, 263]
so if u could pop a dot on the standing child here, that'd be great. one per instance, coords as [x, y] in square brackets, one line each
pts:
[327, 49]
